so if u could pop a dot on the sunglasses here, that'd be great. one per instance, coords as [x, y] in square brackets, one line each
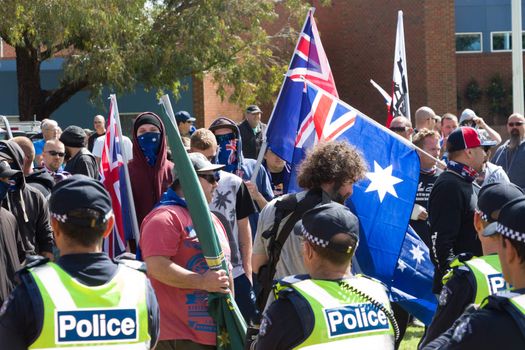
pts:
[211, 178]
[55, 153]
[515, 124]
[398, 128]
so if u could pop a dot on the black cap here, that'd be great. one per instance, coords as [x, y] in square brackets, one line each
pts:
[80, 192]
[223, 122]
[320, 224]
[6, 171]
[253, 109]
[183, 116]
[73, 136]
[511, 221]
[493, 196]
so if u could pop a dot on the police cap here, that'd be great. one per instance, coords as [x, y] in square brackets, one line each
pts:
[320, 224]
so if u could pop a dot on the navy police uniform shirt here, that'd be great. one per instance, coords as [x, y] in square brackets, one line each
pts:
[491, 327]
[22, 314]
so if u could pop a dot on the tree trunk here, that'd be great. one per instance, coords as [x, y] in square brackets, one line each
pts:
[30, 95]
[32, 100]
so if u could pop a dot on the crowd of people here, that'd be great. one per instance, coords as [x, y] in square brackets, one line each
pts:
[289, 256]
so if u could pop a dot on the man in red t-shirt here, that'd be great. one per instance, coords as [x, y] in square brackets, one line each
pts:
[177, 268]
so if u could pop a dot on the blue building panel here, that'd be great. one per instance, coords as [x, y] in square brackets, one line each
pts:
[79, 110]
[484, 16]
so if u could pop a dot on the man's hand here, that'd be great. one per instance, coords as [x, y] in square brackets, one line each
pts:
[480, 122]
[216, 281]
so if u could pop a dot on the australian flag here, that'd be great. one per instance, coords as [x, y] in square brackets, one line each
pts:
[412, 283]
[112, 176]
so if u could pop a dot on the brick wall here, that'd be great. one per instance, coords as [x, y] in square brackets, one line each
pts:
[359, 39]
[482, 67]
[207, 105]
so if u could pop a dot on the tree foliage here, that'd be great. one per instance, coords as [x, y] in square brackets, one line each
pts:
[119, 43]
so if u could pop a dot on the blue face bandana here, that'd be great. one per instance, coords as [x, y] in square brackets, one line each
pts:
[227, 154]
[150, 144]
[4, 187]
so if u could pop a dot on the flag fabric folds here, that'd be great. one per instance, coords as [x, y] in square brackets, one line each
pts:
[384, 200]
[112, 176]
[412, 283]
[400, 105]
[309, 61]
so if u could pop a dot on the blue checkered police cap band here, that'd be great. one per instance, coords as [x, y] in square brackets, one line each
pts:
[320, 224]
[80, 192]
[511, 221]
[492, 197]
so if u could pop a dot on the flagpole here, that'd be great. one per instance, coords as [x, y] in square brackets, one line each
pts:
[440, 163]
[264, 145]
[401, 25]
[133, 214]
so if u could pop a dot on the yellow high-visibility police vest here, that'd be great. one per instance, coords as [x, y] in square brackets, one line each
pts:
[110, 316]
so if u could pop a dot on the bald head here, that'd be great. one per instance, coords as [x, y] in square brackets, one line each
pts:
[53, 154]
[402, 126]
[425, 118]
[29, 152]
[99, 124]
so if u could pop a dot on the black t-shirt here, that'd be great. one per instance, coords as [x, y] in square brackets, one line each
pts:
[279, 180]
[21, 317]
[92, 139]
[425, 184]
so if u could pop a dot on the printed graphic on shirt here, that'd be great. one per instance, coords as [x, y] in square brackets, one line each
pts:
[198, 316]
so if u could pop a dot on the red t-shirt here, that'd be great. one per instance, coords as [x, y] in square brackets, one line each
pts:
[168, 231]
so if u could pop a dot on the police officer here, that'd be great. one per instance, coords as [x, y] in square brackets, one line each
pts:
[328, 306]
[500, 321]
[84, 298]
[472, 279]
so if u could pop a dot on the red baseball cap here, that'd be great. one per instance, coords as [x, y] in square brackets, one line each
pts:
[463, 138]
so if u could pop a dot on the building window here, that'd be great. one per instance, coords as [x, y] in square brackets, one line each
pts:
[468, 42]
[502, 41]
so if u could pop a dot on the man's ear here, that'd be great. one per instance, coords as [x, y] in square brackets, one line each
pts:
[510, 252]
[109, 227]
[54, 226]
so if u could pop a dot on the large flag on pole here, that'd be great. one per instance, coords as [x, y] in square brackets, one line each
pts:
[231, 328]
[384, 200]
[400, 105]
[309, 62]
[115, 179]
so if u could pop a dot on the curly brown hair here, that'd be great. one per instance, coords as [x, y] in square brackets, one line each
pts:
[421, 135]
[331, 161]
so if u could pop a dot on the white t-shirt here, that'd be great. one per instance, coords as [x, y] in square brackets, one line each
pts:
[127, 152]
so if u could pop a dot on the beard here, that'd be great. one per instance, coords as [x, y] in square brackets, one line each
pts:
[515, 138]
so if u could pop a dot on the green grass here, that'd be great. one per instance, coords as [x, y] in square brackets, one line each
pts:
[411, 338]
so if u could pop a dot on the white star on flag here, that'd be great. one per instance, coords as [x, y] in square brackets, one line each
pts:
[401, 265]
[417, 254]
[382, 181]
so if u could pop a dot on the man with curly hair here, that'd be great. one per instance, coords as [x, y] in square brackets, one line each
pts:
[327, 174]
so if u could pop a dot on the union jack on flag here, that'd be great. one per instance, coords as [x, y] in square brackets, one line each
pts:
[111, 167]
[308, 62]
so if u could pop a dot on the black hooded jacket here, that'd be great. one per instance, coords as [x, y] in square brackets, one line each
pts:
[42, 181]
[30, 209]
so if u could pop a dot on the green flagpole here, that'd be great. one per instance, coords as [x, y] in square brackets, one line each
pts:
[231, 328]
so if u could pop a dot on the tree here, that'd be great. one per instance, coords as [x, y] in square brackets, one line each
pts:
[119, 43]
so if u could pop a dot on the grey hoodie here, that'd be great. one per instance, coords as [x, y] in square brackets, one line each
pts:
[29, 207]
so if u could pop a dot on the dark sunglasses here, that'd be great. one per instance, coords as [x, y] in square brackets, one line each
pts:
[515, 124]
[398, 128]
[55, 153]
[211, 178]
